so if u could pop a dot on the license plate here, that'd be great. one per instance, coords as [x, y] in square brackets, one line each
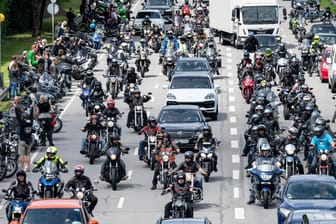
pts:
[183, 141]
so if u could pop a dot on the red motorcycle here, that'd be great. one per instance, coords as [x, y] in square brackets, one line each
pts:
[56, 121]
[247, 87]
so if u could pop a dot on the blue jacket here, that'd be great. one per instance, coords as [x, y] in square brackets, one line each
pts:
[165, 43]
[322, 143]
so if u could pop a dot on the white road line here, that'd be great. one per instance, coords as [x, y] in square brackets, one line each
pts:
[234, 144]
[231, 82]
[230, 74]
[229, 60]
[156, 86]
[235, 174]
[228, 49]
[235, 158]
[121, 202]
[100, 57]
[236, 192]
[239, 213]
[232, 108]
[129, 174]
[233, 131]
[70, 102]
[229, 55]
[229, 67]
[284, 35]
[233, 119]
[232, 99]
[136, 151]
[231, 90]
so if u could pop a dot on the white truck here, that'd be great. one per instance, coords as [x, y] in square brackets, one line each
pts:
[234, 19]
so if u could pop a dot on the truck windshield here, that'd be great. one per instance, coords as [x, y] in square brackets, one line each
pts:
[260, 15]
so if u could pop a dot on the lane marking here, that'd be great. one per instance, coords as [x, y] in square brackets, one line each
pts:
[235, 174]
[230, 74]
[233, 119]
[228, 54]
[129, 174]
[236, 192]
[70, 102]
[229, 60]
[232, 99]
[136, 151]
[232, 108]
[156, 86]
[234, 144]
[228, 49]
[231, 90]
[239, 213]
[231, 81]
[235, 158]
[229, 67]
[121, 202]
[233, 131]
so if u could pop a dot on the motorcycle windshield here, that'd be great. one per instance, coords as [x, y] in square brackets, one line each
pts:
[49, 167]
[305, 44]
[265, 164]
[187, 28]
[210, 52]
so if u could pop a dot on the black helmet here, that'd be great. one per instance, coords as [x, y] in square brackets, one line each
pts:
[282, 46]
[137, 91]
[21, 173]
[131, 70]
[206, 130]
[328, 9]
[301, 77]
[318, 130]
[166, 135]
[114, 61]
[293, 132]
[320, 121]
[98, 84]
[261, 127]
[304, 87]
[309, 107]
[152, 120]
[180, 175]
[89, 73]
[189, 154]
[255, 118]
[246, 54]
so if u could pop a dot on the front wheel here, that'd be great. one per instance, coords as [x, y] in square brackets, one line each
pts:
[266, 199]
[113, 92]
[142, 71]
[12, 167]
[3, 169]
[165, 179]
[48, 194]
[152, 161]
[114, 179]
[92, 153]
[289, 171]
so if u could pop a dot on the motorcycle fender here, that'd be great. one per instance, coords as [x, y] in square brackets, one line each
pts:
[265, 189]
[289, 159]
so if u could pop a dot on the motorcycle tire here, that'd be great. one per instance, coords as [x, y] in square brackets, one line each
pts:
[113, 93]
[248, 97]
[324, 172]
[76, 75]
[265, 199]
[142, 71]
[92, 154]
[152, 163]
[286, 112]
[48, 194]
[206, 178]
[3, 170]
[165, 180]
[114, 179]
[289, 171]
[12, 167]
[170, 75]
[58, 126]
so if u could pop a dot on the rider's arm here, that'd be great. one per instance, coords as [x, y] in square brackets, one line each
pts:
[69, 185]
[62, 163]
[39, 162]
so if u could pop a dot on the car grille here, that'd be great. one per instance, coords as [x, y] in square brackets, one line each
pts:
[268, 31]
[206, 104]
[183, 135]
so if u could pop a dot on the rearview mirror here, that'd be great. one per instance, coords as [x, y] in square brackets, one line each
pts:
[96, 182]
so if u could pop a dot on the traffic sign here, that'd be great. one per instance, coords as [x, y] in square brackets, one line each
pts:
[50, 8]
[53, 1]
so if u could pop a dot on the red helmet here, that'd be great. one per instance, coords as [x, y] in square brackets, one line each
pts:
[110, 104]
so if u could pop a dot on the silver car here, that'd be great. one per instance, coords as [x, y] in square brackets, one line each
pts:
[154, 16]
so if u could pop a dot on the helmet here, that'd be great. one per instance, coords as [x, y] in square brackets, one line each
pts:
[328, 8]
[206, 130]
[182, 38]
[114, 62]
[180, 175]
[282, 46]
[51, 150]
[265, 149]
[92, 25]
[293, 132]
[122, 12]
[110, 104]
[130, 70]
[98, 84]
[318, 130]
[304, 87]
[301, 77]
[259, 108]
[294, 61]
[137, 91]
[250, 34]
[268, 111]
[309, 107]
[268, 52]
[189, 154]
[255, 118]
[246, 54]
[114, 136]
[89, 73]
[320, 121]
[316, 38]
[79, 170]
[147, 17]
[142, 40]
[21, 173]
[170, 32]
[152, 119]
[261, 127]
[166, 135]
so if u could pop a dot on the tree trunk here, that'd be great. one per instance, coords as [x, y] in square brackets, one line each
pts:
[36, 17]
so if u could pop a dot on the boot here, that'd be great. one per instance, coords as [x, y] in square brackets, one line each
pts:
[252, 199]
[153, 187]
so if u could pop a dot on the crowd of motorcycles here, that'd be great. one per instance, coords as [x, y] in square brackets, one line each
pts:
[273, 152]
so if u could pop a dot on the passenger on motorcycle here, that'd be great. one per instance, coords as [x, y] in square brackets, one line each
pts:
[114, 141]
[136, 100]
[21, 188]
[150, 130]
[322, 141]
[191, 166]
[80, 181]
[179, 188]
[92, 126]
[167, 145]
[207, 136]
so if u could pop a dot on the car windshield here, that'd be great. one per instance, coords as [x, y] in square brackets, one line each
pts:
[191, 66]
[266, 41]
[311, 190]
[323, 29]
[190, 83]
[260, 15]
[157, 2]
[328, 39]
[53, 216]
[180, 116]
[152, 15]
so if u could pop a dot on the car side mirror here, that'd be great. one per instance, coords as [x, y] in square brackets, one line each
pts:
[133, 17]
[4, 191]
[333, 97]
[96, 182]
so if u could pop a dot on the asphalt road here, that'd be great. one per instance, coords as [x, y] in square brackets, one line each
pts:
[225, 195]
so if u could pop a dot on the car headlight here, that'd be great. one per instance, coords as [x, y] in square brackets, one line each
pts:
[285, 211]
[210, 96]
[266, 177]
[171, 96]
[113, 157]
[210, 155]
[203, 155]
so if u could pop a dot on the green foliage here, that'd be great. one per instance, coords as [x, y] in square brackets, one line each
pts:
[330, 3]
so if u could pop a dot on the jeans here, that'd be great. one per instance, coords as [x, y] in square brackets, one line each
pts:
[14, 90]
[122, 168]
[199, 182]
[84, 144]
[142, 145]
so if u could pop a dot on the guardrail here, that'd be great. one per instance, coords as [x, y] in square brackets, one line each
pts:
[4, 93]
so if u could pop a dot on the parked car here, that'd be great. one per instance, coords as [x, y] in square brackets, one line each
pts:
[306, 192]
[196, 89]
[184, 123]
[184, 221]
[165, 7]
[56, 211]
[324, 64]
[154, 16]
[312, 216]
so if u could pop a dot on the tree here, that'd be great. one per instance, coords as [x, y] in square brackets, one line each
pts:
[37, 15]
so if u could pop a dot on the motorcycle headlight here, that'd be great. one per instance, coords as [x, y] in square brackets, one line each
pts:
[290, 151]
[285, 211]
[138, 108]
[324, 157]
[96, 107]
[17, 209]
[188, 176]
[203, 155]
[152, 139]
[210, 96]
[93, 137]
[171, 96]
[165, 158]
[266, 177]
[113, 157]
[110, 124]
[210, 155]
[80, 195]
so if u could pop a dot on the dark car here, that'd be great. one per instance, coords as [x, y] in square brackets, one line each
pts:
[306, 192]
[193, 65]
[164, 6]
[267, 41]
[302, 2]
[311, 216]
[184, 123]
[322, 28]
[184, 221]
[327, 38]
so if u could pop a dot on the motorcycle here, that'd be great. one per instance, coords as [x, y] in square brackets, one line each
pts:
[170, 63]
[156, 43]
[197, 194]
[290, 162]
[50, 184]
[189, 36]
[214, 60]
[281, 67]
[36, 133]
[114, 85]
[81, 193]
[166, 161]
[324, 163]
[93, 146]
[142, 61]
[247, 87]
[300, 31]
[97, 40]
[113, 155]
[150, 151]
[266, 177]
[64, 79]
[111, 124]
[56, 121]
[206, 159]
[305, 45]
[179, 206]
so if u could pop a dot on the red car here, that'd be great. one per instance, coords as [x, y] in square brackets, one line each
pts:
[324, 64]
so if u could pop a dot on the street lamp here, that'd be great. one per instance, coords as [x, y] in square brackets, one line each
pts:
[2, 20]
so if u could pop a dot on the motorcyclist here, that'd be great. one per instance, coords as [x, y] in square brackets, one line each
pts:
[92, 126]
[251, 43]
[246, 70]
[315, 47]
[253, 122]
[191, 166]
[180, 188]
[282, 51]
[322, 141]
[132, 77]
[136, 100]
[156, 31]
[166, 145]
[294, 67]
[146, 22]
[291, 138]
[113, 70]
[258, 65]
[82, 181]
[150, 130]
[114, 141]
[183, 48]
[111, 110]
[207, 136]
[89, 80]
[327, 15]
[143, 47]
[56, 159]
[297, 86]
[97, 93]
[169, 42]
[21, 188]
